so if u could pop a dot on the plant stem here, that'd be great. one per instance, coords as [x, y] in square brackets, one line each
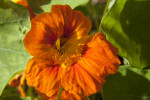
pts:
[30, 91]
[105, 11]
[93, 14]
[59, 94]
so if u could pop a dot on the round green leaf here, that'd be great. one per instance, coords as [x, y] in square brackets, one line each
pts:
[128, 84]
[39, 6]
[127, 26]
[14, 23]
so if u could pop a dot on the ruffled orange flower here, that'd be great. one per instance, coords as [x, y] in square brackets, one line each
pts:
[66, 56]
[25, 4]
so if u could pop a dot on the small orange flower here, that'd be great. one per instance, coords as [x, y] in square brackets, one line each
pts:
[66, 56]
[18, 81]
[25, 4]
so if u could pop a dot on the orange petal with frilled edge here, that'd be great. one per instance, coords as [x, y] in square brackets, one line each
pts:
[64, 96]
[43, 75]
[69, 96]
[77, 80]
[100, 56]
[75, 23]
[40, 40]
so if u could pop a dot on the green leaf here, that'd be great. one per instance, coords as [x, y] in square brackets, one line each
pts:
[15, 98]
[27, 98]
[111, 3]
[39, 6]
[95, 96]
[127, 27]
[14, 23]
[128, 84]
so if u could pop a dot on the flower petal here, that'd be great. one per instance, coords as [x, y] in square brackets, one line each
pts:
[43, 75]
[75, 23]
[16, 80]
[64, 96]
[40, 39]
[100, 56]
[77, 80]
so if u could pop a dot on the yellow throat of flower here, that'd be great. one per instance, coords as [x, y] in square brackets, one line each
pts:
[69, 51]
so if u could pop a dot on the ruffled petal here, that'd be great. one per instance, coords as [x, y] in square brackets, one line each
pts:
[43, 75]
[77, 80]
[99, 58]
[64, 96]
[76, 25]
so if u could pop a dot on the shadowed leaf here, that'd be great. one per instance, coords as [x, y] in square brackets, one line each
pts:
[128, 84]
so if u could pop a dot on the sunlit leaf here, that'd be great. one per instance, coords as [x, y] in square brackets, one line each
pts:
[27, 98]
[127, 27]
[111, 2]
[128, 84]
[14, 23]
[15, 98]
[39, 6]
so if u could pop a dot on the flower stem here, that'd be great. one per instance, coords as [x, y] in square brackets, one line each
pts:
[93, 14]
[59, 94]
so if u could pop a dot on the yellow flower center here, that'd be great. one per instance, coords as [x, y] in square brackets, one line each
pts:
[60, 44]
[69, 50]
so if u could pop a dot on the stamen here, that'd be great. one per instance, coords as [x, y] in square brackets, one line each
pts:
[57, 44]
[67, 55]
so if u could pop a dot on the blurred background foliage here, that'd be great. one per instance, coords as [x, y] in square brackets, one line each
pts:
[125, 23]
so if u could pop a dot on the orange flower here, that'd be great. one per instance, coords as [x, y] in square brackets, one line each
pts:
[66, 56]
[25, 4]
[18, 81]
